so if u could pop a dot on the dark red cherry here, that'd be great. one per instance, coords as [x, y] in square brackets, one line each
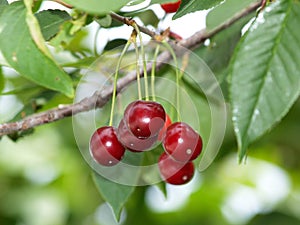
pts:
[144, 118]
[133, 143]
[174, 172]
[162, 132]
[182, 142]
[171, 7]
[105, 146]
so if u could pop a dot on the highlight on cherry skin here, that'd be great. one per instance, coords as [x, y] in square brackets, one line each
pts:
[174, 172]
[105, 147]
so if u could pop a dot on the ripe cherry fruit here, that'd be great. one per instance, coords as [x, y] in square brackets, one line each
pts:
[182, 142]
[105, 146]
[133, 143]
[174, 172]
[144, 118]
[171, 7]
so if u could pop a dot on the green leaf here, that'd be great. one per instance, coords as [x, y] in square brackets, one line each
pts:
[225, 11]
[104, 21]
[113, 193]
[218, 52]
[189, 6]
[114, 44]
[265, 79]
[82, 63]
[34, 28]
[67, 32]
[25, 55]
[50, 21]
[98, 7]
[148, 17]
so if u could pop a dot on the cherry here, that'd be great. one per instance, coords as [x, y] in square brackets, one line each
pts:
[171, 7]
[182, 142]
[144, 118]
[105, 146]
[174, 172]
[162, 132]
[131, 142]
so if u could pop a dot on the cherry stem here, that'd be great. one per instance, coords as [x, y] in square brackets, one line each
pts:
[167, 45]
[153, 72]
[138, 75]
[114, 93]
[144, 61]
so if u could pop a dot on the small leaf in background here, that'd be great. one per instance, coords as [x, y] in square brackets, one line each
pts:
[50, 21]
[148, 17]
[98, 7]
[67, 32]
[36, 5]
[265, 79]
[225, 11]
[114, 44]
[189, 6]
[116, 195]
[22, 53]
[104, 21]
[3, 2]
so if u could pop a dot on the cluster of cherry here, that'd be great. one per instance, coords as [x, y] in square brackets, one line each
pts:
[144, 124]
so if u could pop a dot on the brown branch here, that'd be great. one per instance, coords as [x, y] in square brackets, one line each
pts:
[129, 21]
[100, 98]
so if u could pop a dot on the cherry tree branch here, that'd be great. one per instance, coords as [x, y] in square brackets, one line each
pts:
[101, 97]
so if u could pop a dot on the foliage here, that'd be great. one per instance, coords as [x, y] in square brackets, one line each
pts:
[256, 61]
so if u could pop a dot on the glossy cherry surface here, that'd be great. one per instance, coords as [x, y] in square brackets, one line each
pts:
[133, 143]
[171, 7]
[174, 172]
[144, 118]
[182, 142]
[105, 147]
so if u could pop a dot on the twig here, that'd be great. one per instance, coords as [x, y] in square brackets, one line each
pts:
[129, 22]
[99, 98]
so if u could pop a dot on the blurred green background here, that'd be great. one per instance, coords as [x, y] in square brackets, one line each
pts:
[45, 181]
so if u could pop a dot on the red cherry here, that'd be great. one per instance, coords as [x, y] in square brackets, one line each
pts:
[171, 7]
[182, 142]
[174, 172]
[144, 118]
[105, 146]
[162, 132]
[133, 143]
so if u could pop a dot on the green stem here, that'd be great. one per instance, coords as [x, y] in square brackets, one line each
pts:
[167, 45]
[114, 93]
[144, 61]
[153, 72]
[138, 75]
